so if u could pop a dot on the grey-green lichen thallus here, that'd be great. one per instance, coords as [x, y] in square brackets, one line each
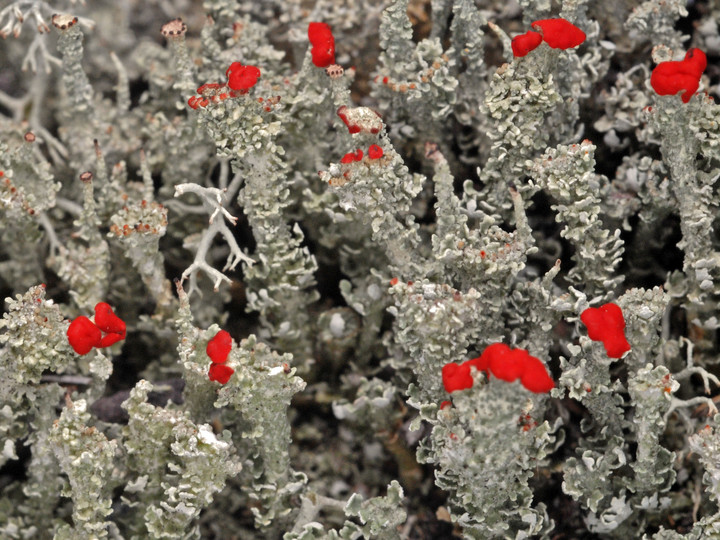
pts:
[381, 269]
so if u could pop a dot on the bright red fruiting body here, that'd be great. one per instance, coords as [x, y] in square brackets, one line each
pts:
[240, 77]
[445, 404]
[607, 324]
[107, 321]
[559, 33]
[482, 362]
[112, 326]
[351, 157]
[323, 55]
[323, 44]
[669, 78]
[375, 152]
[110, 339]
[216, 92]
[456, 376]
[83, 335]
[352, 128]
[319, 32]
[504, 363]
[220, 373]
[512, 364]
[360, 119]
[535, 377]
[212, 87]
[524, 43]
[218, 348]
[394, 281]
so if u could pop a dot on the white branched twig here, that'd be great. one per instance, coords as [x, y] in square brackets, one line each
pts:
[692, 369]
[71, 207]
[676, 403]
[212, 201]
[184, 208]
[38, 55]
[17, 13]
[55, 245]
[122, 88]
[211, 197]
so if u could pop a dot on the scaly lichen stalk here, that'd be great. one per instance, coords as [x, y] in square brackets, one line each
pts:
[80, 113]
[567, 173]
[680, 146]
[86, 456]
[282, 286]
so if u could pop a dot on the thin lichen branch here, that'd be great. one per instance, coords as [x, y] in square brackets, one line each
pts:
[184, 208]
[211, 197]
[123, 85]
[677, 403]
[16, 105]
[689, 370]
[20, 11]
[37, 50]
[199, 263]
[66, 205]
[212, 200]
[692, 369]
[55, 244]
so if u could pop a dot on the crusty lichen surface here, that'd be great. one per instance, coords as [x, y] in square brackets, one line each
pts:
[355, 228]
